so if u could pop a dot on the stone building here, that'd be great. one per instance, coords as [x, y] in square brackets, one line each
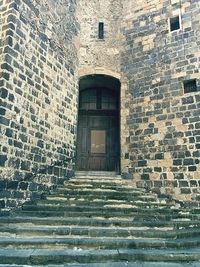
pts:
[99, 85]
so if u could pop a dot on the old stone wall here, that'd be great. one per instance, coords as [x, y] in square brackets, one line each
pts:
[39, 95]
[95, 52]
[163, 120]
[46, 45]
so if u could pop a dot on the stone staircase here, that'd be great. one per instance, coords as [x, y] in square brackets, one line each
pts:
[100, 220]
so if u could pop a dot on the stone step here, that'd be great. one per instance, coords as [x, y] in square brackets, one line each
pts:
[101, 174]
[99, 202]
[99, 222]
[103, 182]
[85, 206]
[100, 181]
[39, 230]
[97, 187]
[112, 264]
[97, 181]
[48, 256]
[70, 189]
[89, 195]
[123, 209]
[84, 242]
[105, 214]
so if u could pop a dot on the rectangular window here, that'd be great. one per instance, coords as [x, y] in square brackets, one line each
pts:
[101, 30]
[88, 99]
[190, 86]
[108, 99]
[174, 23]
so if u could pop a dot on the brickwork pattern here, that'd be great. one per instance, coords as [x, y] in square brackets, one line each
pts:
[39, 95]
[164, 123]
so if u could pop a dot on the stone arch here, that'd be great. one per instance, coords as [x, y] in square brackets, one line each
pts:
[99, 70]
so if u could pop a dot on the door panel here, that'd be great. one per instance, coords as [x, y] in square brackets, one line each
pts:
[97, 163]
[97, 149]
[98, 143]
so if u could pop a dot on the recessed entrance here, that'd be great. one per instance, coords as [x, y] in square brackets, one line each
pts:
[98, 145]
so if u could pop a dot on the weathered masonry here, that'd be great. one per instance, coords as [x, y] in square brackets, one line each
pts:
[94, 85]
[39, 96]
[164, 119]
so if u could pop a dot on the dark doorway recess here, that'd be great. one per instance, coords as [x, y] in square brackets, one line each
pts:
[98, 141]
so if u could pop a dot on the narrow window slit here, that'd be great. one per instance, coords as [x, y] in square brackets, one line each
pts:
[101, 30]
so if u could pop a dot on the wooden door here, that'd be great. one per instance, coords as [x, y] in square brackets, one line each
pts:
[98, 141]
[98, 138]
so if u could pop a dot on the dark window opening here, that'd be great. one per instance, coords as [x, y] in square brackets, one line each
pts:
[101, 30]
[88, 99]
[190, 86]
[174, 24]
[98, 99]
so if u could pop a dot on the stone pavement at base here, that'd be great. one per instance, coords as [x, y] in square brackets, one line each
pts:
[116, 264]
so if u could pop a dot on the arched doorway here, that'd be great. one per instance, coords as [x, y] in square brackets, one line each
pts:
[98, 142]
